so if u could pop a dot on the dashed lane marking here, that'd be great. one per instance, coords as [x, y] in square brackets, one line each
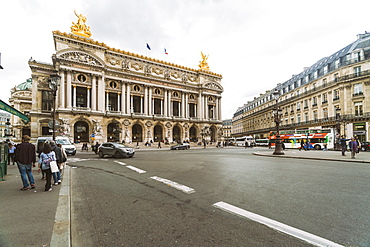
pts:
[178, 186]
[305, 236]
[136, 169]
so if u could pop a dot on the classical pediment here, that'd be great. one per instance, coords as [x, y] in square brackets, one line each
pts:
[81, 57]
[213, 85]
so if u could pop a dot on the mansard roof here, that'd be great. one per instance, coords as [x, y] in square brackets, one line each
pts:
[321, 67]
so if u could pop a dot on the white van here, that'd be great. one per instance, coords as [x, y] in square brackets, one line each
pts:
[67, 145]
[64, 141]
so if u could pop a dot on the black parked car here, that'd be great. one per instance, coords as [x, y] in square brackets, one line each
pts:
[182, 146]
[115, 149]
[365, 146]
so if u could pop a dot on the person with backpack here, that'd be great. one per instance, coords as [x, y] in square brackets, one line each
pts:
[46, 156]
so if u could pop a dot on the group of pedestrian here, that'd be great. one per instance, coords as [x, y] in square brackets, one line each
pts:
[25, 157]
[354, 146]
[305, 145]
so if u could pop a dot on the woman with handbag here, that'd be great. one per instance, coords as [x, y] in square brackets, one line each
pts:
[46, 158]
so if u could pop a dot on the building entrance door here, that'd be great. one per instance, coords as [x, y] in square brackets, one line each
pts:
[81, 132]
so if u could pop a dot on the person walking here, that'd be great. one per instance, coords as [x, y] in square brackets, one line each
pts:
[11, 154]
[358, 145]
[353, 146]
[64, 158]
[302, 145]
[159, 144]
[59, 158]
[46, 156]
[343, 144]
[25, 157]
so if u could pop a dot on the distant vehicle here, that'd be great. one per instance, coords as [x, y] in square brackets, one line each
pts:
[316, 137]
[179, 146]
[262, 142]
[365, 146]
[64, 141]
[240, 141]
[116, 150]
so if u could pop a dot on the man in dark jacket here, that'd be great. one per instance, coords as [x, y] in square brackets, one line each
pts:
[25, 156]
[343, 144]
[59, 156]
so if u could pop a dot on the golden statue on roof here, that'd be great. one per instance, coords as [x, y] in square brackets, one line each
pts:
[203, 64]
[80, 28]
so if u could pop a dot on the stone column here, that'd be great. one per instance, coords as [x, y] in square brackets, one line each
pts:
[93, 93]
[200, 109]
[183, 105]
[119, 102]
[88, 98]
[62, 92]
[151, 103]
[74, 96]
[169, 104]
[128, 99]
[146, 104]
[123, 98]
[107, 101]
[69, 89]
[165, 103]
[101, 93]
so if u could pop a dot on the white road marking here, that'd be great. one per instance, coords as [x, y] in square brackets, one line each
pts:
[136, 169]
[121, 163]
[181, 187]
[308, 237]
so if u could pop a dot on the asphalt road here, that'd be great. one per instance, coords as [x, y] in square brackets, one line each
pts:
[167, 198]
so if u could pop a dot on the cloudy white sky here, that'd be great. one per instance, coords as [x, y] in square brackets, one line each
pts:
[253, 44]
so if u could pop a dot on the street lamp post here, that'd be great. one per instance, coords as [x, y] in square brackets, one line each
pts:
[277, 112]
[338, 120]
[53, 85]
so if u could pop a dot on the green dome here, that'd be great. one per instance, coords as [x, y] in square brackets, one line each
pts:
[25, 85]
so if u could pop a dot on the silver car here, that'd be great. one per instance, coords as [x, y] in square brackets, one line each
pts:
[116, 150]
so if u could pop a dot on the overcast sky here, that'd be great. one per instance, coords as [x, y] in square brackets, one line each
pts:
[254, 45]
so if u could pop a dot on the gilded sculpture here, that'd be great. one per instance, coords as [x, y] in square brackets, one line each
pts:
[80, 28]
[203, 64]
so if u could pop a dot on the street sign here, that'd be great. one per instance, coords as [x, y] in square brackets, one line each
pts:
[57, 124]
[92, 135]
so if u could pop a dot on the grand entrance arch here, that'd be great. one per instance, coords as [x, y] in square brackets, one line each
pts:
[137, 133]
[213, 134]
[193, 134]
[81, 132]
[158, 133]
[113, 132]
[176, 134]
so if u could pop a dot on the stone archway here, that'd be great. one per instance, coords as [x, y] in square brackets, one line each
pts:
[158, 133]
[213, 133]
[193, 136]
[137, 133]
[81, 132]
[113, 132]
[176, 134]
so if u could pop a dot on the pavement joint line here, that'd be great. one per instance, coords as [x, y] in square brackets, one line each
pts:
[61, 235]
[175, 185]
[297, 233]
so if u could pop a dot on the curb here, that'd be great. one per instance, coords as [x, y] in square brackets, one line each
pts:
[312, 158]
[61, 235]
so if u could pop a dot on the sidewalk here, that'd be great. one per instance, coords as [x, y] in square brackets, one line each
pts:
[362, 157]
[28, 218]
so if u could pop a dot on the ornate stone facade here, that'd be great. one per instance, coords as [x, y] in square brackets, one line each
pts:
[107, 94]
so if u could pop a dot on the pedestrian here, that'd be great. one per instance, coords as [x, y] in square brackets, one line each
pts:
[59, 158]
[308, 146]
[326, 143]
[46, 156]
[11, 154]
[64, 157]
[358, 145]
[343, 144]
[25, 156]
[159, 144]
[353, 146]
[204, 143]
[302, 145]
